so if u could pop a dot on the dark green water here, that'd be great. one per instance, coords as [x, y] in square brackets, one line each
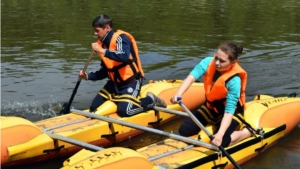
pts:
[45, 43]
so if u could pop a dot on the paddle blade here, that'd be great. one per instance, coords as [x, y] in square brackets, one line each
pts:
[65, 109]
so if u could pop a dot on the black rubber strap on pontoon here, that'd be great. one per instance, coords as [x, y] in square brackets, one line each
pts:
[113, 134]
[261, 148]
[219, 166]
[54, 149]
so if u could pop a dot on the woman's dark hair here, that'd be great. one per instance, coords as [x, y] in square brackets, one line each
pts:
[231, 49]
[101, 21]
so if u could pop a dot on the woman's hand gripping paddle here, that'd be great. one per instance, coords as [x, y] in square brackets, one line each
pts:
[66, 106]
[207, 132]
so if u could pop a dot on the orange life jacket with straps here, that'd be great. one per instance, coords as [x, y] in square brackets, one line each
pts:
[216, 92]
[120, 72]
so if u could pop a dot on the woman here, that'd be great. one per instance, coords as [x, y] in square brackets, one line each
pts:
[224, 84]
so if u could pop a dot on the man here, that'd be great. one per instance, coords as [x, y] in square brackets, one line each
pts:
[120, 63]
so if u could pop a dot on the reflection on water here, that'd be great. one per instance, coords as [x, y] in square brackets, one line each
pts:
[45, 43]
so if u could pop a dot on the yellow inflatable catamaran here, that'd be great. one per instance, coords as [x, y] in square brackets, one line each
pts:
[23, 141]
[275, 117]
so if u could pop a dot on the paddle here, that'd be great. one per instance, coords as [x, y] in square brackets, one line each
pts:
[180, 113]
[66, 106]
[207, 132]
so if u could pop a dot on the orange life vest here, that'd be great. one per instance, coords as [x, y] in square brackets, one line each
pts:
[121, 72]
[216, 92]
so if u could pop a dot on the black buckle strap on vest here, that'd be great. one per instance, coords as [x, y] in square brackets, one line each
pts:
[218, 104]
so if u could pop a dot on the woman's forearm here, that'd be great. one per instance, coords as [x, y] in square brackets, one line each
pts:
[226, 121]
[187, 82]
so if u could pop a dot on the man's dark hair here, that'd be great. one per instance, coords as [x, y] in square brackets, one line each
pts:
[101, 21]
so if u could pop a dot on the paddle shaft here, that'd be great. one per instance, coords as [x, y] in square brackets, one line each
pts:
[79, 79]
[144, 128]
[180, 113]
[67, 108]
[209, 135]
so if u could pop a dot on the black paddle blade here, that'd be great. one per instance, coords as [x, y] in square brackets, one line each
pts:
[65, 109]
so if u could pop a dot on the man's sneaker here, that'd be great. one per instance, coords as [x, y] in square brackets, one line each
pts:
[157, 101]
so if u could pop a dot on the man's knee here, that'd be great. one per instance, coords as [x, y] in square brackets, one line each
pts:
[98, 101]
[93, 108]
[122, 112]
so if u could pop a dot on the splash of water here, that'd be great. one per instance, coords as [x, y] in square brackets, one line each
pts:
[32, 110]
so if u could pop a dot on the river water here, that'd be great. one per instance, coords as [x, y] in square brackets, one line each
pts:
[45, 43]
